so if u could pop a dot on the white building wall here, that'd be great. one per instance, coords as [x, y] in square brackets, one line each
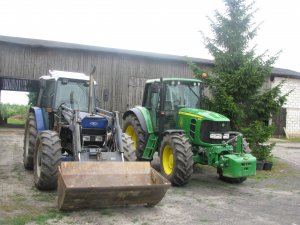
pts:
[293, 103]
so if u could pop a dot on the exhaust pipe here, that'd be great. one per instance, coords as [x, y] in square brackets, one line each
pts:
[91, 90]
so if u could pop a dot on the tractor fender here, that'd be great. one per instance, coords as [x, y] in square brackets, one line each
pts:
[38, 112]
[139, 116]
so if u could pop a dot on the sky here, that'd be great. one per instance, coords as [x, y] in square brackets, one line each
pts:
[160, 26]
[14, 97]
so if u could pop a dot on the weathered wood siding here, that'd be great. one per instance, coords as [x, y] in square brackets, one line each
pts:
[122, 74]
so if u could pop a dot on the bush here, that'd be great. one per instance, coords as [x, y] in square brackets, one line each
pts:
[257, 134]
[262, 152]
[9, 110]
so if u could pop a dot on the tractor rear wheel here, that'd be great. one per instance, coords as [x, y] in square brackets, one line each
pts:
[128, 146]
[230, 179]
[29, 141]
[132, 128]
[176, 159]
[47, 158]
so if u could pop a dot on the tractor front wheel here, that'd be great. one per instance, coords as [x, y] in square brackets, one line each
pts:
[176, 159]
[47, 158]
[128, 147]
[29, 141]
[132, 128]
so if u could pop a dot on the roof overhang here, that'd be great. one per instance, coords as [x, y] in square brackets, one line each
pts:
[280, 72]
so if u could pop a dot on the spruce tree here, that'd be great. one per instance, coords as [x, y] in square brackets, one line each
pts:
[239, 75]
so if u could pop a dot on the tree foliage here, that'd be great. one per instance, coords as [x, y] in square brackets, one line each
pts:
[9, 110]
[239, 74]
[32, 98]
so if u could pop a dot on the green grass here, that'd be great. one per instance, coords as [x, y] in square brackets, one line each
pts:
[280, 169]
[105, 212]
[135, 220]
[16, 121]
[44, 196]
[40, 218]
[17, 172]
[18, 198]
[294, 139]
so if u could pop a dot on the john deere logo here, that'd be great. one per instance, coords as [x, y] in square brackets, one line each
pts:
[93, 124]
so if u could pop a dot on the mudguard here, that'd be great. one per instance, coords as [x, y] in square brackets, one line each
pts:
[39, 119]
[143, 116]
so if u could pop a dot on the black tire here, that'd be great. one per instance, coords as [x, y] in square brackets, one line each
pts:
[29, 141]
[128, 147]
[230, 179]
[180, 169]
[139, 136]
[47, 158]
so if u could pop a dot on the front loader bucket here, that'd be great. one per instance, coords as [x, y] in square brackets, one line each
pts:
[104, 184]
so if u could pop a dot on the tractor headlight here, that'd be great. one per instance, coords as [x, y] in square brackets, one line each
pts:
[215, 136]
[86, 138]
[226, 136]
[98, 138]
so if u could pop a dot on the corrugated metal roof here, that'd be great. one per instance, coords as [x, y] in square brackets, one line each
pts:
[63, 45]
[285, 73]
[54, 44]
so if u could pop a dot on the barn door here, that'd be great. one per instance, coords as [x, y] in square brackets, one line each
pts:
[136, 89]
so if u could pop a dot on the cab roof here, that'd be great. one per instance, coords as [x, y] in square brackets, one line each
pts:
[56, 74]
[173, 79]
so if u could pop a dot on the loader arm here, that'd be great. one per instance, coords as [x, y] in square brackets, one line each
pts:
[118, 134]
[115, 126]
[71, 116]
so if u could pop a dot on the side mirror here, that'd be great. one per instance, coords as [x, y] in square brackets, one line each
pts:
[105, 95]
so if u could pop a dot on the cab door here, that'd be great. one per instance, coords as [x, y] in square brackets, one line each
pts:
[151, 101]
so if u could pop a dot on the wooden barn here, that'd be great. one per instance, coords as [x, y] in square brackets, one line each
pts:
[120, 73]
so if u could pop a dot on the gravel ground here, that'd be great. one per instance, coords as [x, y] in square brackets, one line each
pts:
[269, 198]
[289, 152]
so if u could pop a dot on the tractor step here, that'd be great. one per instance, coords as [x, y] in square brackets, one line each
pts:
[150, 147]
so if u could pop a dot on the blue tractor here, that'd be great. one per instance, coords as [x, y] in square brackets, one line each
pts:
[66, 137]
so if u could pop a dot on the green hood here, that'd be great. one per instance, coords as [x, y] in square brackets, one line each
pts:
[203, 114]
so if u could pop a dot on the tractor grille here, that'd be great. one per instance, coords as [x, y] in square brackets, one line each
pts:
[93, 131]
[212, 126]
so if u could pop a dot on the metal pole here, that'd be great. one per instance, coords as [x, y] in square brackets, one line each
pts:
[91, 87]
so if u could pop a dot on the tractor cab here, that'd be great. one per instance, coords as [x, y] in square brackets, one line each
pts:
[165, 99]
[60, 87]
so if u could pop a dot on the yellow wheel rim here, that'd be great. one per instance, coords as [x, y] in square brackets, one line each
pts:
[168, 159]
[130, 132]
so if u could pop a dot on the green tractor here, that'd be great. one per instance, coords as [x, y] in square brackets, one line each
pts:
[171, 122]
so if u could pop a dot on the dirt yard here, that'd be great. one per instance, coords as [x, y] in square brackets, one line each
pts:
[269, 198]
